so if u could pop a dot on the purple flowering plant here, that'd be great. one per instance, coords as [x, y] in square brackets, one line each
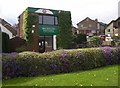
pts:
[107, 51]
[64, 62]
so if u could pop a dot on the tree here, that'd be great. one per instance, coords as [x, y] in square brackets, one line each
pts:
[65, 36]
[80, 38]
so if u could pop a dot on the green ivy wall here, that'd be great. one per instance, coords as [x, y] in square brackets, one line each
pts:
[64, 38]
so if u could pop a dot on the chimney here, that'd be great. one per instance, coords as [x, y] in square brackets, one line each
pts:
[96, 20]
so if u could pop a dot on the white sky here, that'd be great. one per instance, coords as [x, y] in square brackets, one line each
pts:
[103, 10]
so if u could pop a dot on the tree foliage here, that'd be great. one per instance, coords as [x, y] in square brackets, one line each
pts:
[80, 38]
[64, 38]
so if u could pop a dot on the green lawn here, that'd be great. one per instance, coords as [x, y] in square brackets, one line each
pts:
[105, 76]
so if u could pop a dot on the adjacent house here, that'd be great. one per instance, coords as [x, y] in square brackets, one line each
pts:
[113, 28]
[74, 30]
[7, 28]
[91, 27]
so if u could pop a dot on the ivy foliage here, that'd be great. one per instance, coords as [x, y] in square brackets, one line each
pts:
[29, 20]
[65, 36]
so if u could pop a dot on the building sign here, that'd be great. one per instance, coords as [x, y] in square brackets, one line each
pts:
[48, 30]
[43, 11]
[48, 21]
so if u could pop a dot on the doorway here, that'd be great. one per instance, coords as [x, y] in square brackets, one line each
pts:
[45, 44]
[42, 44]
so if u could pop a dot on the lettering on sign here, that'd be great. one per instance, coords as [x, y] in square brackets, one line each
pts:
[48, 30]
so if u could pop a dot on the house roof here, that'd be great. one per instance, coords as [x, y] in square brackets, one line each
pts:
[111, 22]
[74, 27]
[84, 20]
[91, 20]
[114, 21]
[8, 26]
[117, 19]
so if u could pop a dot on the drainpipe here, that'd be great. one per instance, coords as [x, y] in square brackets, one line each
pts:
[54, 42]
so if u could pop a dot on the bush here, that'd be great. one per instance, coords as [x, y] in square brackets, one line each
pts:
[61, 61]
[21, 48]
[95, 41]
[80, 38]
[5, 42]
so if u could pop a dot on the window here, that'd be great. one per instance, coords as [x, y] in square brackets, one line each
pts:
[40, 19]
[108, 30]
[87, 19]
[118, 24]
[81, 25]
[90, 25]
[98, 26]
[48, 19]
[51, 20]
[56, 21]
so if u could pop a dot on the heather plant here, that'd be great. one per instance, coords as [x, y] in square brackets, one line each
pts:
[61, 61]
[107, 51]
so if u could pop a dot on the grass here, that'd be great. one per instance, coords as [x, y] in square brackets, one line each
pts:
[105, 76]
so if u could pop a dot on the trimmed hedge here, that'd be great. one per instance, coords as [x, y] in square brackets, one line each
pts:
[61, 61]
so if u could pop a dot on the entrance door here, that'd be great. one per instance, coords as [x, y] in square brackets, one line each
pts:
[42, 46]
[45, 43]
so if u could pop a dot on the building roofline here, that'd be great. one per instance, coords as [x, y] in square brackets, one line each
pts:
[40, 8]
[8, 26]
[91, 20]
[85, 19]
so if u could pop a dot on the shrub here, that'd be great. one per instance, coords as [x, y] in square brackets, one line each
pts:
[95, 41]
[5, 41]
[21, 48]
[80, 38]
[33, 64]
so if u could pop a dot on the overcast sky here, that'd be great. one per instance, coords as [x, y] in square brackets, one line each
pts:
[103, 10]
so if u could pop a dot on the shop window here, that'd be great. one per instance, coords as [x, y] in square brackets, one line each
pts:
[50, 20]
[40, 19]
[49, 41]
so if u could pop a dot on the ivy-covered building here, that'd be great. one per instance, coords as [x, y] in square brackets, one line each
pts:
[43, 29]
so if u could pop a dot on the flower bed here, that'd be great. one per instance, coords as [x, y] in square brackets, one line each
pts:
[61, 61]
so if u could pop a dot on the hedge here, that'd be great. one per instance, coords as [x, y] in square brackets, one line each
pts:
[61, 61]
